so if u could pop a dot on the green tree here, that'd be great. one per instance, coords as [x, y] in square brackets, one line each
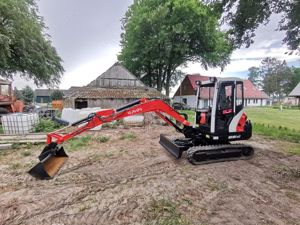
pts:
[243, 17]
[57, 95]
[27, 94]
[277, 77]
[159, 36]
[274, 76]
[25, 47]
[17, 94]
[255, 77]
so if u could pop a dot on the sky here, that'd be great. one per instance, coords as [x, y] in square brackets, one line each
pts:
[86, 35]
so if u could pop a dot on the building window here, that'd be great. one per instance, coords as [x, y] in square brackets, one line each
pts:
[184, 100]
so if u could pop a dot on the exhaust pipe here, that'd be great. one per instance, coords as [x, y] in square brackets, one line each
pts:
[51, 159]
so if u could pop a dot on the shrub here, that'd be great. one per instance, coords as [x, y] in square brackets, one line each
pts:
[45, 125]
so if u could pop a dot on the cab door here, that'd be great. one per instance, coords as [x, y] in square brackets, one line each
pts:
[230, 104]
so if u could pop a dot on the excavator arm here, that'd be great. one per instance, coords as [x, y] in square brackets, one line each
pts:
[109, 115]
[53, 156]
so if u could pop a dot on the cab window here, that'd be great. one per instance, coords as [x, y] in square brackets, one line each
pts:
[226, 97]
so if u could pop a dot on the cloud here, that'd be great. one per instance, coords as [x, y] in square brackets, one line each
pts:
[91, 69]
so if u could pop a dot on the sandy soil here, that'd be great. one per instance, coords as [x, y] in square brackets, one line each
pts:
[117, 182]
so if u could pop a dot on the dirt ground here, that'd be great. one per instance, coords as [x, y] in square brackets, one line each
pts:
[131, 179]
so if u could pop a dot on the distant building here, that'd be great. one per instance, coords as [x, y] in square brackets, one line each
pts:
[296, 94]
[186, 93]
[112, 89]
[44, 95]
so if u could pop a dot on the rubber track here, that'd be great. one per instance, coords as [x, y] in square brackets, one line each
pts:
[206, 148]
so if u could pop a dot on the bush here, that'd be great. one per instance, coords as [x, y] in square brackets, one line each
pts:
[45, 125]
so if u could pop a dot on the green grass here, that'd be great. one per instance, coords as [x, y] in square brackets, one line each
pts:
[289, 118]
[280, 133]
[278, 124]
[102, 139]
[164, 212]
[129, 136]
[294, 150]
[79, 142]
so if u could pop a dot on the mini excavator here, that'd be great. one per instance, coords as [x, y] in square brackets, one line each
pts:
[207, 141]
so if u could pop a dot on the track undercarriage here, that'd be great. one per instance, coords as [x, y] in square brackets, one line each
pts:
[203, 153]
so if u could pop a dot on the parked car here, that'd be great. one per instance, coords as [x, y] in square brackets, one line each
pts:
[180, 106]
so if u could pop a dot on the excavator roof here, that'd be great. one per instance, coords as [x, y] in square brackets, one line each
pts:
[229, 79]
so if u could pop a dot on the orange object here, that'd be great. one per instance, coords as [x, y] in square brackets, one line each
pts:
[203, 118]
[58, 104]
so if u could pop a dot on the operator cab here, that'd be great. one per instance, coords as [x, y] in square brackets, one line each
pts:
[224, 117]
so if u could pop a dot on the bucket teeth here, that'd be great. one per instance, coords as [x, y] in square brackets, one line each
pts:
[52, 159]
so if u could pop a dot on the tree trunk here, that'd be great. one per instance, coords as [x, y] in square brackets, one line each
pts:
[159, 80]
[167, 83]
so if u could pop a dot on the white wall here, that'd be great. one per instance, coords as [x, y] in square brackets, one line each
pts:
[191, 101]
[258, 102]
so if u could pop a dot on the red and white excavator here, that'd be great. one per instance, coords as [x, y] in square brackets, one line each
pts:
[208, 141]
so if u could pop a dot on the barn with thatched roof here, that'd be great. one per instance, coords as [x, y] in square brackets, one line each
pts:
[114, 88]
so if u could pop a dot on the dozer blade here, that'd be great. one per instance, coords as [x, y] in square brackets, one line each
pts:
[52, 159]
[175, 147]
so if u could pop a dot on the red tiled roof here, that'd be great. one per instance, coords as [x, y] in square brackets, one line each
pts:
[250, 90]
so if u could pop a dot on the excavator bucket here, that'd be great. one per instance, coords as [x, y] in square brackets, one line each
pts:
[51, 159]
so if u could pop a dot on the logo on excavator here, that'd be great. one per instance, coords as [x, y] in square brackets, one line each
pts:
[135, 111]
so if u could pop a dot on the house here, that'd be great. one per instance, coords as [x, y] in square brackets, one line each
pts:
[296, 94]
[44, 95]
[186, 93]
[112, 89]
